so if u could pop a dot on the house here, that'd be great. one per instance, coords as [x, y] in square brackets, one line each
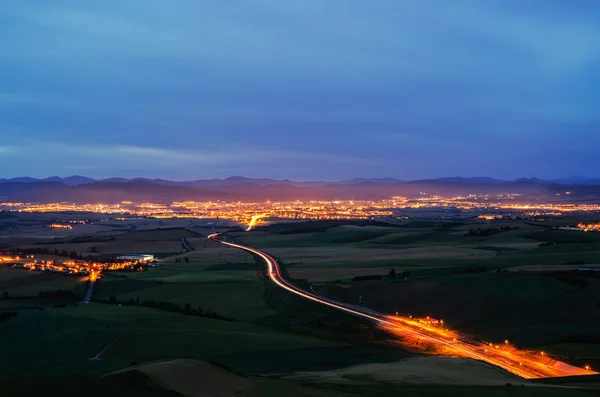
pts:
[136, 257]
[428, 320]
[589, 268]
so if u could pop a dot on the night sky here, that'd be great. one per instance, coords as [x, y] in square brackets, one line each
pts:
[300, 89]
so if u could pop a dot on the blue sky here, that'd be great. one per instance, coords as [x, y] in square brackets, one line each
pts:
[311, 89]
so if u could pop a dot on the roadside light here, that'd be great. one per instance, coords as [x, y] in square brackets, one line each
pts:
[587, 367]
[506, 341]
[542, 353]
[520, 363]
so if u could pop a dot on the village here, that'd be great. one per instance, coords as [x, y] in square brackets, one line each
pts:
[124, 263]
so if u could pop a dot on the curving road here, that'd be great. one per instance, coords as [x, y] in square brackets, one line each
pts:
[524, 365]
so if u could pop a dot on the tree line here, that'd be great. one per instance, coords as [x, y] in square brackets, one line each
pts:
[489, 231]
[186, 309]
[392, 274]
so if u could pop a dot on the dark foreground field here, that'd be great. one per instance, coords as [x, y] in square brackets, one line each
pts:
[214, 325]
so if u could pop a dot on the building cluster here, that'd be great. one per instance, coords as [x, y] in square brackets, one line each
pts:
[81, 268]
[429, 321]
[490, 217]
[592, 227]
[59, 226]
[589, 268]
[582, 227]
[136, 258]
[244, 212]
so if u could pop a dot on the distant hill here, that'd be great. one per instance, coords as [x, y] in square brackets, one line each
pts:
[474, 180]
[107, 192]
[71, 180]
[86, 190]
[237, 180]
[373, 180]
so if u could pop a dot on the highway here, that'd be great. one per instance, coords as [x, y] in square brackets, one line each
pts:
[525, 365]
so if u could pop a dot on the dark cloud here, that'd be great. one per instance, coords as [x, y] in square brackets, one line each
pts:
[300, 89]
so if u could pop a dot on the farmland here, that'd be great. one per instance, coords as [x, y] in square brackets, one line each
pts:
[510, 285]
[214, 304]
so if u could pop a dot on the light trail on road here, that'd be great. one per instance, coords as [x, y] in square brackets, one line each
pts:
[522, 366]
[254, 220]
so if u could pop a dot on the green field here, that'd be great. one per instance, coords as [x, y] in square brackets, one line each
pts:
[461, 279]
[150, 334]
[49, 342]
[237, 294]
[20, 282]
[534, 309]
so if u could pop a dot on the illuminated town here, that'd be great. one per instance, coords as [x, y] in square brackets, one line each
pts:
[245, 212]
[60, 226]
[582, 227]
[73, 267]
[594, 227]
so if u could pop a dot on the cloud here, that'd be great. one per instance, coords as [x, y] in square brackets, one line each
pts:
[334, 87]
[148, 159]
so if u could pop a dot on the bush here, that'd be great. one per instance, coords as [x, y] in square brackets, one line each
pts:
[367, 277]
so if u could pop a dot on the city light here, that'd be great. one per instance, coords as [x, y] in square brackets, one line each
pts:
[251, 214]
[77, 267]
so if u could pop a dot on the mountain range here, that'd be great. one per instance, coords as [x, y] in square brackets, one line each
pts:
[80, 189]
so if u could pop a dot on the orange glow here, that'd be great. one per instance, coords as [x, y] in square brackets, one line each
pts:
[592, 227]
[245, 212]
[60, 226]
[94, 276]
[75, 267]
[254, 220]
